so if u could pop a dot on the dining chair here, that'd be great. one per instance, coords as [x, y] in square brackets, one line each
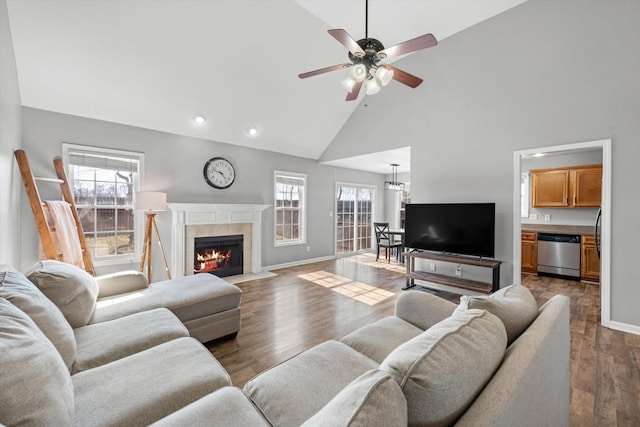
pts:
[383, 240]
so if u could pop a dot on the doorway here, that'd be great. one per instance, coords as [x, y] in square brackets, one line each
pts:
[354, 218]
[605, 233]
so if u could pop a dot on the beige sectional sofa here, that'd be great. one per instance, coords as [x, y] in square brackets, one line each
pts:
[498, 361]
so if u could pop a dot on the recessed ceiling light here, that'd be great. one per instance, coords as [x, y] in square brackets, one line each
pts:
[252, 131]
[199, 119]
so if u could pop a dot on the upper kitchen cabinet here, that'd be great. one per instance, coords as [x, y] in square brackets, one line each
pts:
[587, 188]
[567, 187]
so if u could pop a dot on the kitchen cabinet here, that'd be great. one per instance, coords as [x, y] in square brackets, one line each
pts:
[529, 263]
[568, 187]
[590, 262]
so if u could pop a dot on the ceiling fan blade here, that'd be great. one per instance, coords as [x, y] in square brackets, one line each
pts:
[404, 77]
[347, 41]
[422, 42]
[323, 70]
[354, 92]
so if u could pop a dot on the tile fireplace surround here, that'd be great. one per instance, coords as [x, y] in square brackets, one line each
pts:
[191, 220]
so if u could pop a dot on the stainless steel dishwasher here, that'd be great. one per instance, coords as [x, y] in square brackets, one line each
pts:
[559, 254]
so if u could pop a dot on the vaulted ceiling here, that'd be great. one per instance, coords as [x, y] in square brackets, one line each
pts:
[157, 63]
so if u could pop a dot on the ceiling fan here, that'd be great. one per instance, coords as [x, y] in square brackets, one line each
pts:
[366, 55]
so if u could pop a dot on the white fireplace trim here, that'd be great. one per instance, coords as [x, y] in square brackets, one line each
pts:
[184, 214]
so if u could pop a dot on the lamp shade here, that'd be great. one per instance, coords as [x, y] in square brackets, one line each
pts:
[150, 201]
[384, 75]
[372, 87]
[359, 72]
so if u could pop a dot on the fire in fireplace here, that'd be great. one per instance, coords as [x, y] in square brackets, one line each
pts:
[219, 255]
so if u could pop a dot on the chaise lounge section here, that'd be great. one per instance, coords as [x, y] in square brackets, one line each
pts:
[207, 305]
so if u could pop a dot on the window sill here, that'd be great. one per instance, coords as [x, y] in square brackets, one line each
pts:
[279, 244]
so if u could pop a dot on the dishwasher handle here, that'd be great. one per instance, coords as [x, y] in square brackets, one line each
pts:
[552, 237]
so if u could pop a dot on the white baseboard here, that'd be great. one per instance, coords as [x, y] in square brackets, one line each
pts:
[297, 263]
[624, 327]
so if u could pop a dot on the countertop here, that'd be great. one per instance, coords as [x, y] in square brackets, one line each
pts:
[560, 229]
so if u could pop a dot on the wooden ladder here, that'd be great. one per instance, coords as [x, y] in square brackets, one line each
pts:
[38, 211]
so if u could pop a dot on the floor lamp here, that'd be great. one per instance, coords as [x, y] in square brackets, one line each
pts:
[151, 202]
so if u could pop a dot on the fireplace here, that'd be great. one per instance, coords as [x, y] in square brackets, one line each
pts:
[192, 220]
[219, 255]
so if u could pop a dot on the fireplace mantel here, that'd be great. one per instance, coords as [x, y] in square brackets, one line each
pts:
[186, 214]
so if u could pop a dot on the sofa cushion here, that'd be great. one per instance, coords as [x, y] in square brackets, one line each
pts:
[121, 282]
[442, 370]
[147, 386]
[374, 398]
[101, 343]
[72, 289]
[291, 392]
[380, 338]
[514, 305]
[35, 386]
[19, 291]
[188, 297]
[227, 406]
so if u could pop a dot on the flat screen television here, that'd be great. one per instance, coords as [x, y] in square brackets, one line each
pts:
[456, 228]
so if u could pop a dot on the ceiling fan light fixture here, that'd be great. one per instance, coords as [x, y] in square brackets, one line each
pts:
[384, 75]
[348, 83]
[359, 72]
[372, 87]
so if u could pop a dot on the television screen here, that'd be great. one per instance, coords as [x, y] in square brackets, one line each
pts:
[457, 228]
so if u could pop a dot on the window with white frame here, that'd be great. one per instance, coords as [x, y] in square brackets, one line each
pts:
[103, 182]
[290, 205]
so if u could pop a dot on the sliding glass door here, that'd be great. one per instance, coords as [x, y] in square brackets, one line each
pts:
[354, 218]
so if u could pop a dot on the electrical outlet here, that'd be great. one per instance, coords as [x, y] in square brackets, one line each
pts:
[547, 217]
[308, 248]
[432, 266]
[459, 270]
[533, 216]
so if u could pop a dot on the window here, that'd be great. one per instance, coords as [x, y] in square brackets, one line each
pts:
[103, 183]
[406, 198]
[290, 208]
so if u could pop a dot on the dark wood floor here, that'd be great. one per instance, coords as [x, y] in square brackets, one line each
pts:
[306, 305]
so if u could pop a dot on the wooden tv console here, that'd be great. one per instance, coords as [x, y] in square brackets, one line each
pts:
[458, 282]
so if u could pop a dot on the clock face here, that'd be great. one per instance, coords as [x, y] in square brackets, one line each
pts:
[219, 173]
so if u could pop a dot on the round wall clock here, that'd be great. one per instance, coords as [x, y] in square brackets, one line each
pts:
[219, 173]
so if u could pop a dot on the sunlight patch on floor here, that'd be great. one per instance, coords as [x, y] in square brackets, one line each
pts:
[358, 291]
[369, 259]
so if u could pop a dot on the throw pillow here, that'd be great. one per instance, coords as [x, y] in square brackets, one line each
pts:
[514, 305]
[72, 289]
[35, 386]
[442, 370]
[374, 398]
[19, 291]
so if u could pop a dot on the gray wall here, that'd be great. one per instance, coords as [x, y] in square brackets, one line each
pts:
[10, 140]
[174, 164]
[565, 216]
[543, 73]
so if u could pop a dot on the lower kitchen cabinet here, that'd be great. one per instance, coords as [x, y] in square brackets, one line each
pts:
[529, 263]
[590, 262]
